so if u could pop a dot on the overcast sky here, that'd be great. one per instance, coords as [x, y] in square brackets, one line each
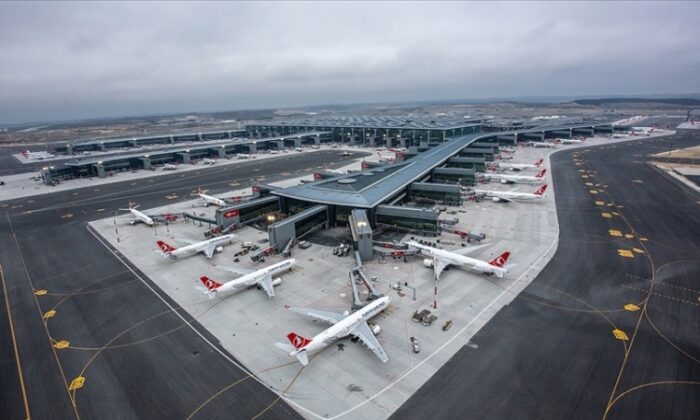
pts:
[84, 60]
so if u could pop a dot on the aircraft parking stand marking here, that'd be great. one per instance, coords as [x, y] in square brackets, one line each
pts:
[50, 314]
[41, 292]
[606, 215]
[631, 307]
[614, 232]
[599, 203]
[638, 251]
[663, 295]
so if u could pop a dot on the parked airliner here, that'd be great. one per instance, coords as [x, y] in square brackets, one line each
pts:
[441, 259]
[207, 247]
[261, 278]
[343, 325]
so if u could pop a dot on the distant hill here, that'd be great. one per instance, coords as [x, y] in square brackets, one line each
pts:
[669, 101]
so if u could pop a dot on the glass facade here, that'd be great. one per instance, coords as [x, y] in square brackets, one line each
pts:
[303, 226]
[342, 214]
[454, 179]
[251, 212]
[441, 196]
[408, 223]
[297, 206]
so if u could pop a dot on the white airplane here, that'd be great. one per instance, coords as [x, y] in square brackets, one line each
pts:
[207, 247]
[518, 179]
[261, 278]
[208, 162]
[441, 259]
[542, 144]
[519, 166]
[643, 130]
[512, 196]
[345, 324]
[139, 217]
[244, 156]
[208, 199]
[36, 155]
[169, 167]
[335, 171]
[571, 141]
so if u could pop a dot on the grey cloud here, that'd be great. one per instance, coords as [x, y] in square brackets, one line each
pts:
[81, 60]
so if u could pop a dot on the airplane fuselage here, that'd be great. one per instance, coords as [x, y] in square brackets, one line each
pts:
[141, 217]
[345, 327]
[518, 166]
[192, 249]
[208, 199]
[516, 179]
[515, 196]
[253, 278]
[451, 258]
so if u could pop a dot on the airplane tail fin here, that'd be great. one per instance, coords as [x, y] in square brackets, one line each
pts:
[540, 191]
[209, 283]
[165, 248]
[501, 260]
[133, 205]
[299, 354]
[302, 357]
[539, 162]
[297, 341]
[541, 173]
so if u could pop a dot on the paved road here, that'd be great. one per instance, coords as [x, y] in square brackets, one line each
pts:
[551, 353]
[138, 357]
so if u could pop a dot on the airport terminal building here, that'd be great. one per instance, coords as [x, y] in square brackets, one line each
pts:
[434, 160]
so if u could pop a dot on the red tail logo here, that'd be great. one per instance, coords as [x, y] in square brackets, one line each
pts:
[209, 283]
[541, 190]
[541, 174]
[165, 247]
[297, 341]
[501, 260]
[539, 162]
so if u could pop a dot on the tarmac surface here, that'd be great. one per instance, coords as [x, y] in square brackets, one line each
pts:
[629, 237]
[138, 357]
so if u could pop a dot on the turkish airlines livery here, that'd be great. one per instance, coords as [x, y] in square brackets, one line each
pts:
[139, 217]
[208, 199]
[261, 278]
[207, 247]
[520, 166]
[511, 196]
[441, 259]
[342, 325]
[518, 179]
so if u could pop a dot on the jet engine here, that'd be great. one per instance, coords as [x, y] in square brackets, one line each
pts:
[219, 249]
[428, 262]
[375, 328]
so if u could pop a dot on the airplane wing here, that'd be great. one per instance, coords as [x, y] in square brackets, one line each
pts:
[266, 284]
[364, 333]
[503, 198]
[209, 250]
[438, 266]
[187, 241]
[236, 270]
[327, 316]
[468, 249]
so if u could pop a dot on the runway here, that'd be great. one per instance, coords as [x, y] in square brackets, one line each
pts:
[553, 352]
[138, 358]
